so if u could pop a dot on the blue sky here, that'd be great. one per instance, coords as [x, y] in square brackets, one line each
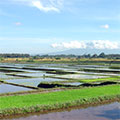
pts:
[43, 26]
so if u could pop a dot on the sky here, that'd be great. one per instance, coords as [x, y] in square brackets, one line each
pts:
[46, 26]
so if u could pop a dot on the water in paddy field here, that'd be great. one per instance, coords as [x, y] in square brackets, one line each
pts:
[5, 88]
[75, 83]
[79, 76]
[101, 112]
[18, 75]
[32, 81]
[4, 76]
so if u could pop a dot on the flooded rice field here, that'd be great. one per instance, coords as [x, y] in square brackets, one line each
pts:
[75, 83]
[32, 81]
[101, 112]
[5, 88]
[95, 73]
[4, 76]
[34, 74]
[79, 76]
[105, 69]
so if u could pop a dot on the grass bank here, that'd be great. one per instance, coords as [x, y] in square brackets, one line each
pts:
[114, 67]
[100, 70]
[72, 80]
[114, 78]
[22, 104]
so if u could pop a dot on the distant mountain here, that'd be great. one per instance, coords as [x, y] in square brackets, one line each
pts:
[87, 51]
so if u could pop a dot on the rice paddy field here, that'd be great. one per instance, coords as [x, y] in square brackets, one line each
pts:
[36, 87]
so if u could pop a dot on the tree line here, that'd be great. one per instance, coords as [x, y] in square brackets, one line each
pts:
[14, 55]
[101, 55]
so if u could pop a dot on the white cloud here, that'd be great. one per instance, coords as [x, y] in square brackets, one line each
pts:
[100, 44]
[105, 26]
[18, 23]
[38, 4]
[95, 44]
[43, 5]
[72, 44]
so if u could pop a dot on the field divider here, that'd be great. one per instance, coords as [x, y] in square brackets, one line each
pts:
[20, 85]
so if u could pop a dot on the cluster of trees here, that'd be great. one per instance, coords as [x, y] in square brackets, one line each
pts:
[14, 55]
[101, 55]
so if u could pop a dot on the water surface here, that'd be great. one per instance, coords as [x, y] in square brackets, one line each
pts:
[80, 76]
[102, 112]
[5, 88]
[32, 81]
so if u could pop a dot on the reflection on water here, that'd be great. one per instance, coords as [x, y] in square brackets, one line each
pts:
[32, 81]
[79, 76]
[5, 88]
[4, 76]
[102, 112]
[39, 76]
[104, 69]
[113, 114]
[75, 83]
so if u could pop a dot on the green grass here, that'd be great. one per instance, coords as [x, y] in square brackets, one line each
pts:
[115, 67]
[116, 78]
[61, 97]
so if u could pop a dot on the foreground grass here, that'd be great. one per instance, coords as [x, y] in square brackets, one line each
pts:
[47, 101]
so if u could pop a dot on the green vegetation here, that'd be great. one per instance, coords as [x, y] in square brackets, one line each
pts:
[30, 60]
[101, 55]
[101, 59]
[114, 67]
[59, 95]
[71, 80]
[54, 100]
[14, 55]
[100, 70]
[116, 78]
